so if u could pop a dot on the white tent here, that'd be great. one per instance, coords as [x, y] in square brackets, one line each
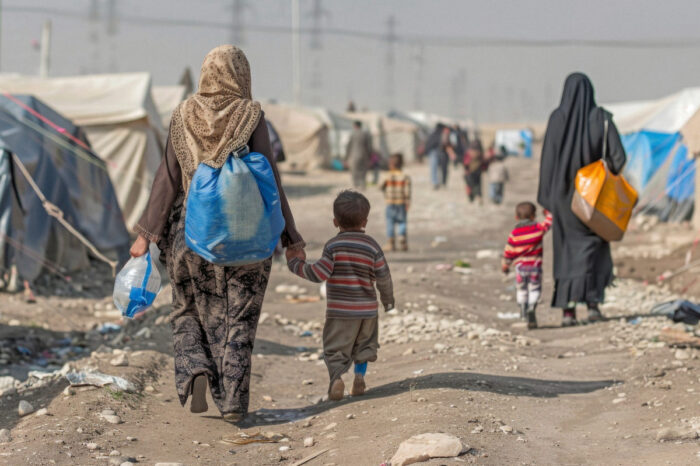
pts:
[390, 135]
[304, 136]
[666, 115]
[120, 119]
[166, 99]
[339, 129]
[430, 120]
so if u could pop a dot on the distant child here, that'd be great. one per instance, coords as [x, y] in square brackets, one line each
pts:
[351, 264]
[498, 176]
[397, 193]
[524, 251]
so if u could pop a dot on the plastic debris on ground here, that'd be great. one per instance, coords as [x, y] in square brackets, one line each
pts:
[679, 311]
[438, 240]
[508, 315]
[109, 328]
[488, 254]
[98, 379]
[242, 438]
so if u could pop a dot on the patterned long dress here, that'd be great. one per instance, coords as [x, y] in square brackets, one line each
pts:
[214, 318]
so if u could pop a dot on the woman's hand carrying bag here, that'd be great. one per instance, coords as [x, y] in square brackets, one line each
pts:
[602, 200]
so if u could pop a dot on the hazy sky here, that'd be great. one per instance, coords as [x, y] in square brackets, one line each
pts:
[468, 79]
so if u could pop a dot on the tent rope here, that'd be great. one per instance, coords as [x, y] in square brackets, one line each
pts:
[41, 117]
[54, 211]
[80, 151]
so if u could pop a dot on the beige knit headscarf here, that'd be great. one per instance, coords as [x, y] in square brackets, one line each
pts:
[220, 117]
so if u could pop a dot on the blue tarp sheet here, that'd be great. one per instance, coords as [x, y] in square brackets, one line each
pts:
[680, 185]
[646, 152]
[526, 135]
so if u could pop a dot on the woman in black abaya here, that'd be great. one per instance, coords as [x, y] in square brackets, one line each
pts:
[583, 265]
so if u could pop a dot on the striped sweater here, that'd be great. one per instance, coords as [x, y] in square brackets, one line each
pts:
[351, 264]
[525, 243]
[397, 188]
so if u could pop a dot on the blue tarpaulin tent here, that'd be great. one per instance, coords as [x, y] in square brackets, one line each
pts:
[659, 165]
[44, 154]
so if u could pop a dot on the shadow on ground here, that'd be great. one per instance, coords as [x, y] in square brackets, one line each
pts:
[502, 385]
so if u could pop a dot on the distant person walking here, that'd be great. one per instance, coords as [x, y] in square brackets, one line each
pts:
[397, 194]
[583, 266]
[497, 174]
[440, 150]
[358, 155]
[473, 170]
[215, 308]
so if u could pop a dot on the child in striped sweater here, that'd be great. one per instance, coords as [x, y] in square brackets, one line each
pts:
[524, 251]
[351, 264]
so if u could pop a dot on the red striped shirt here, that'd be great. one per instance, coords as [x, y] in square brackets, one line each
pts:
[525, 243]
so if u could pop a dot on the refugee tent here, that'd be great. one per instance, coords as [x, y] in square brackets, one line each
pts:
[515, 141]
[431, 120]
[410, 117]
[166, 98]
[517, 137]
[117, 113]
[390, 135]
[305, 137]
[44, 154]
[339, 129]
[659, 164]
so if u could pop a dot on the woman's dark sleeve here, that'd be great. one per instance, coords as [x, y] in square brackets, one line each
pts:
[616, 151]
[166, 185]
[260, 142]
[548, 162]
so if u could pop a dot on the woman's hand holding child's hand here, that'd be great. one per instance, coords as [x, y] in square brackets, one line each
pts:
[295, 253]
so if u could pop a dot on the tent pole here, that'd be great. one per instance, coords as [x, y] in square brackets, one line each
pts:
[45, 56]
[296, 54]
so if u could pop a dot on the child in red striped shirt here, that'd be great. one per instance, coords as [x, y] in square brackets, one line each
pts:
[524, 252]
[351, 265]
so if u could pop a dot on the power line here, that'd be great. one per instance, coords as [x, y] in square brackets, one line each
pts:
[390, 38]
[238, 25]
[419, 60]
[317, 15]
[407, 39]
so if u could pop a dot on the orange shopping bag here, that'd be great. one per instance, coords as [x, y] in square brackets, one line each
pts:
[602, 200]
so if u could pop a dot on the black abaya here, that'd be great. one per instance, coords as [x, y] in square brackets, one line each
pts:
[583, 265]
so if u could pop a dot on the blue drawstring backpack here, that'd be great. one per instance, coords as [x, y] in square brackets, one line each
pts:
[136, 286]
[233, 213]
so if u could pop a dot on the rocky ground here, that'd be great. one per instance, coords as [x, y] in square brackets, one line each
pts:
[452, 361]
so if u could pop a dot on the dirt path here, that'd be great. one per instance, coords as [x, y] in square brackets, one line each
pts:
[588, 395]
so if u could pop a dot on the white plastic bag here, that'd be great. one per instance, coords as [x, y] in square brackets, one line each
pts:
[136, 286]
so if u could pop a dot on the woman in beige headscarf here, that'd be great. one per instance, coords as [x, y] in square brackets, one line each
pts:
[215, 309]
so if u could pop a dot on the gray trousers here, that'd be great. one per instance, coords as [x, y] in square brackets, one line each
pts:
[349, 340]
